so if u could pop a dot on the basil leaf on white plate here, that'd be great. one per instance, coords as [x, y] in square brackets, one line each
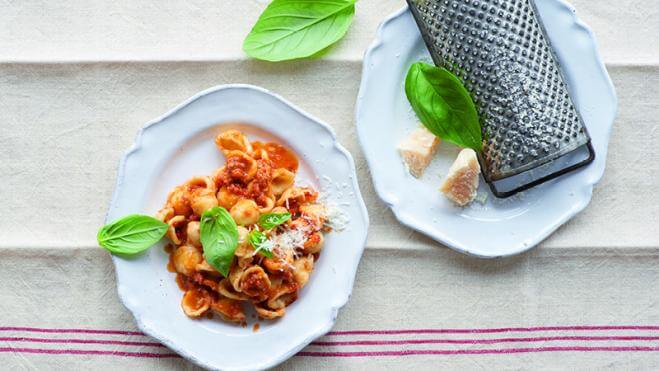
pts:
[271, 220]
[443, 105]
[219, 238]
[131, 234]
[291, 29]
[260, 242]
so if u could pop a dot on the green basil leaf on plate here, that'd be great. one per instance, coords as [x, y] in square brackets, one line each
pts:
[271, 220]
[131, 234]
[443, 105]
[219, 238]
[291, 29]
[260, 243]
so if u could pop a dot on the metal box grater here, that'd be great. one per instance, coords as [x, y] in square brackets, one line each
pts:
[499, 50]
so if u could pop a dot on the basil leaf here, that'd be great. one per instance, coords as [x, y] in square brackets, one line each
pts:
[443, 105]
[260, 243]
[290, 29]
[269, 221]
[219, 238]
[131, 234]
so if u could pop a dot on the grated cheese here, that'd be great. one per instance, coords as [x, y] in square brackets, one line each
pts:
[289, 241]
[266, 245]
[337, 219]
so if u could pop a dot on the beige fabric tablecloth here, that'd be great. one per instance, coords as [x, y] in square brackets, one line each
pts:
[79, 78]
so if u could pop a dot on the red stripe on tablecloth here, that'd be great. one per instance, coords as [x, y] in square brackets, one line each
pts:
[368, 353]
[477, 351]
[488, 330]
[71, 331]
[81, 341]
[356, 342]
[349, 354]
[89, 352]
[483, 341]
[366, 332]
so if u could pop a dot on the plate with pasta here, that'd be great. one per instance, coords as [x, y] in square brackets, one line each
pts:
[258, 226]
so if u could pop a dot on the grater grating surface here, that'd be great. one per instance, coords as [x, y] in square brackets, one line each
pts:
[499, 50]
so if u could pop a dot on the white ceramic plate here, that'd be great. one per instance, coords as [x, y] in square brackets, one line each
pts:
[180, 145]
[496, 227]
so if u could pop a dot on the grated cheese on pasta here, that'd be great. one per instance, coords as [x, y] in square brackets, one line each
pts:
[266, 245]
[289, 241]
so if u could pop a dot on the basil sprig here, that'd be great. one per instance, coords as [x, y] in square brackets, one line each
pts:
[134, 234]
[131, 234]
[219, 238]
[443, 105]
[290, 29]
[271, 220]
[260, 243]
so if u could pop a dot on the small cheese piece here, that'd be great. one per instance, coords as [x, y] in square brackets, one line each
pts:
[417, 150]
[462, 180]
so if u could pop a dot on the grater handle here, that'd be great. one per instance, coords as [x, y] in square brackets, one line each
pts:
[543, 179]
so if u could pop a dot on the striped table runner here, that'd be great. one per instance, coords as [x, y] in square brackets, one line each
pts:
[78, 78]
[533, 311]
[356, 343]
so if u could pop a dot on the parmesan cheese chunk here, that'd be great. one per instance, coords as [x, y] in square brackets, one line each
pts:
[462, 180]
[417, 150]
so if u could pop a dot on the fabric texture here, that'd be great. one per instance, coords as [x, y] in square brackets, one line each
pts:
[409, 309]
[79, 78]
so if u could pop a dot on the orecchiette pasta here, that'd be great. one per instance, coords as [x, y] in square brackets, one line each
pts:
[165, 214]
[229, 309]
[226, 198]
[175, 225]
[303, 268]
[192, 232]
[245, 212]
[294, 197]
[257, 179]
[231, 140]
[179, 201]
[268, 205]
[226, 290]
[186, 258]
[282, 295]
[282, 179]
[195, 302]
[240, 166]
[268, 313]
[314, 243]
[202, 194]
[255, 283]
[204, 267]
[316, 212]
[235, 273]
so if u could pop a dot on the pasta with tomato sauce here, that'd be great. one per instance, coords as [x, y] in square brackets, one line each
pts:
[256, 179]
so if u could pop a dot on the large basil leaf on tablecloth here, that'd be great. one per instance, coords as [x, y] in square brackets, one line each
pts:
[290, 29]
[131, 234]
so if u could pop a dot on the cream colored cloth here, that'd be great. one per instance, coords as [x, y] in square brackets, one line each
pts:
[79, 78]
[461, 307]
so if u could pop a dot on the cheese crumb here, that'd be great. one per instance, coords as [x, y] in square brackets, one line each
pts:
[462, 180]
[289, 241]
[417, 150]
[336, 218]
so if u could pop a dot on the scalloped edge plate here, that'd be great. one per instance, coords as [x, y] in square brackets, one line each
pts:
[494, 227]
[175, 147]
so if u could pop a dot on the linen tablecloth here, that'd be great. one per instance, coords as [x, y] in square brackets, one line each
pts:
[79, 78]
